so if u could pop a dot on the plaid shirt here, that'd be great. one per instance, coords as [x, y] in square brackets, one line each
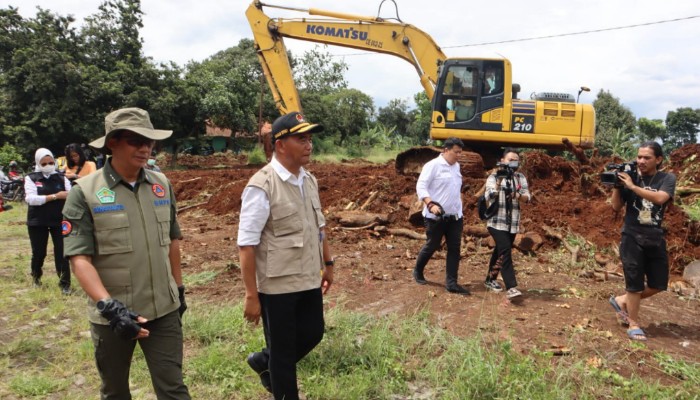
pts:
[499, 221]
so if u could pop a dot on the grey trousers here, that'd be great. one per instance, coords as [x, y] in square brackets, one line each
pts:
[162, 350]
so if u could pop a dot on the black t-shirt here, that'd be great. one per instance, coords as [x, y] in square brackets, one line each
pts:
[642, 215]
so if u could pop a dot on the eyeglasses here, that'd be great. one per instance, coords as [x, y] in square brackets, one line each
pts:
[138, 141]
[48, 163]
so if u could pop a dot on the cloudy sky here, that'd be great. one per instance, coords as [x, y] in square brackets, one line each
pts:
[652, 68]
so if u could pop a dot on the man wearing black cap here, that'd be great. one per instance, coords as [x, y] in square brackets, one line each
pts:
[122, 237]
[286, 262]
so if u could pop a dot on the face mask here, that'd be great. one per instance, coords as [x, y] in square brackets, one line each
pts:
[513, 165]
[151, 162]
[47, 169]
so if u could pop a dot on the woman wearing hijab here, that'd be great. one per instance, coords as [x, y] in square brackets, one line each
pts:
[77, 164]
[46, 190]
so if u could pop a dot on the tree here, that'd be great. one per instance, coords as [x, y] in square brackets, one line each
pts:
[316, 71]
[226, 89]
[651, 129]
[42, 96]
[419, 128]
[681, 128]
[395, 115]
[352, 110]
[611, 116]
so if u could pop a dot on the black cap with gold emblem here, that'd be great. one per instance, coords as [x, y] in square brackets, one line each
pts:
[292, 124]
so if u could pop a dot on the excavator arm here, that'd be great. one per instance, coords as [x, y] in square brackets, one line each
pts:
[358, 32]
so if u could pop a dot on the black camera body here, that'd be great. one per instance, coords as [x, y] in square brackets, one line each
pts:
[611, 176]
[506, 170]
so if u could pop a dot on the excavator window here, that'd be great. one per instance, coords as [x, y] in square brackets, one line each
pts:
[460, 90]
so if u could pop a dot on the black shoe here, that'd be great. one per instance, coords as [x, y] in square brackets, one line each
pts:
[458, 289]
[419, 278]
[6, 207]
[37, 282]
[259, 365]
[65, 290]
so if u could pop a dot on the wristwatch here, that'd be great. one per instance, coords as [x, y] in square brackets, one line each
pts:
[102, 304]
[329, 263]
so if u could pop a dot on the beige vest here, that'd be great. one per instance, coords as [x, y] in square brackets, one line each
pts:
[288, 258]
[132, 243]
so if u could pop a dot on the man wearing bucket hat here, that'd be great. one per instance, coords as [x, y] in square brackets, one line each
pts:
[122, 238]
[285, 258]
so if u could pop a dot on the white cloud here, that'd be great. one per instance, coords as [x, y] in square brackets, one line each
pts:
[652, 69]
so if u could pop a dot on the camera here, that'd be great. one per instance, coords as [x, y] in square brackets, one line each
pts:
[506, 170]
[611, 175]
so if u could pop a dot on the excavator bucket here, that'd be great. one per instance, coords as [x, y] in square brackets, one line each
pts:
[411, 161]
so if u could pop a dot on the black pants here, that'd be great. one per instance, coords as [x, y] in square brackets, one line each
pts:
[501, 258]
[294, 325]
[39, 239]
[162, 350]
[435, 230]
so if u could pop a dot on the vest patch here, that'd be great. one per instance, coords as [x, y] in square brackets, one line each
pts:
[159, 203]
[158, 190]
[66, 227]
[104, 209]
[105, 195]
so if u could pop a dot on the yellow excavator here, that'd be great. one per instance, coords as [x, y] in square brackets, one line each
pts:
[473, 99]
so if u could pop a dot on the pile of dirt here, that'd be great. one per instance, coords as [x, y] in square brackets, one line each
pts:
[216, 160]
[567, 196]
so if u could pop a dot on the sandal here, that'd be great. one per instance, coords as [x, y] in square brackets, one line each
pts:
[637, 334]
[621, 314]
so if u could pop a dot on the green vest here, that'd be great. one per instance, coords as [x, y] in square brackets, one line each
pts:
[288, 258]
[132, 242]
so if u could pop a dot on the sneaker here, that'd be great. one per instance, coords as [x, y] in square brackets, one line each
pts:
[65, 290]
[493, 286]
[513, 293]
[37, 282]
[419, 278]
[259, 365]
[458, 290]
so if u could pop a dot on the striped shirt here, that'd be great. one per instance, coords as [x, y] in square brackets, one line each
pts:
[500, 220]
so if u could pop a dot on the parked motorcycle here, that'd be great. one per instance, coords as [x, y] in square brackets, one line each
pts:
[12, 189]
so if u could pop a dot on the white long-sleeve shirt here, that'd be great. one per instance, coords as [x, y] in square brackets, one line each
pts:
[30, 192]
[441, 182]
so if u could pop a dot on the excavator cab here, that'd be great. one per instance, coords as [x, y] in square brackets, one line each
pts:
[466, 90]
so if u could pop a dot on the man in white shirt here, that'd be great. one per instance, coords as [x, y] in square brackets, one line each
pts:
[286, 264]
[439, 188]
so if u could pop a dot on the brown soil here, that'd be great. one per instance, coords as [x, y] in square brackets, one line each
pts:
[373, 273]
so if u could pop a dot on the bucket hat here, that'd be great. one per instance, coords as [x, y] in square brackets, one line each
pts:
[130, 119]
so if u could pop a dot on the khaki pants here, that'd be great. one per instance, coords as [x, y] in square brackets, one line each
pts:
[163, 353]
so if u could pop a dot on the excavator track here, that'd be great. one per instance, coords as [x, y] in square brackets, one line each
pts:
[411, 161]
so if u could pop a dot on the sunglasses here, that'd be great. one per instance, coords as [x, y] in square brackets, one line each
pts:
[138, 141]
[48, 163]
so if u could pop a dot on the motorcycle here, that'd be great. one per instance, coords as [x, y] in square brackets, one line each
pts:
[12, 189]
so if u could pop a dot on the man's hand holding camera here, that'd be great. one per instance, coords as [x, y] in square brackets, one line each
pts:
[624, 181]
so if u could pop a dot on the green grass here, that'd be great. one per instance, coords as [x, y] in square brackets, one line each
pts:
[46, 352]
[693, 210]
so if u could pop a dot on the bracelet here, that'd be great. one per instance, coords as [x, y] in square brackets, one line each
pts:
[329, 263]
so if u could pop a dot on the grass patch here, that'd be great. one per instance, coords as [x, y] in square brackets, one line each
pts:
[693, 210]
[200, 278]
[47, 352]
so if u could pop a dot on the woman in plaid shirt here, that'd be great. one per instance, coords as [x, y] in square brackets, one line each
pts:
[509, 188]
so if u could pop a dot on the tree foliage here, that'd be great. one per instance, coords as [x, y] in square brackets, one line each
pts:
[681, 128]
[651, 129]
[612, 120]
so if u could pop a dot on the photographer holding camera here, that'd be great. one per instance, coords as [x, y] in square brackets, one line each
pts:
[509, 188]
[642, 247]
